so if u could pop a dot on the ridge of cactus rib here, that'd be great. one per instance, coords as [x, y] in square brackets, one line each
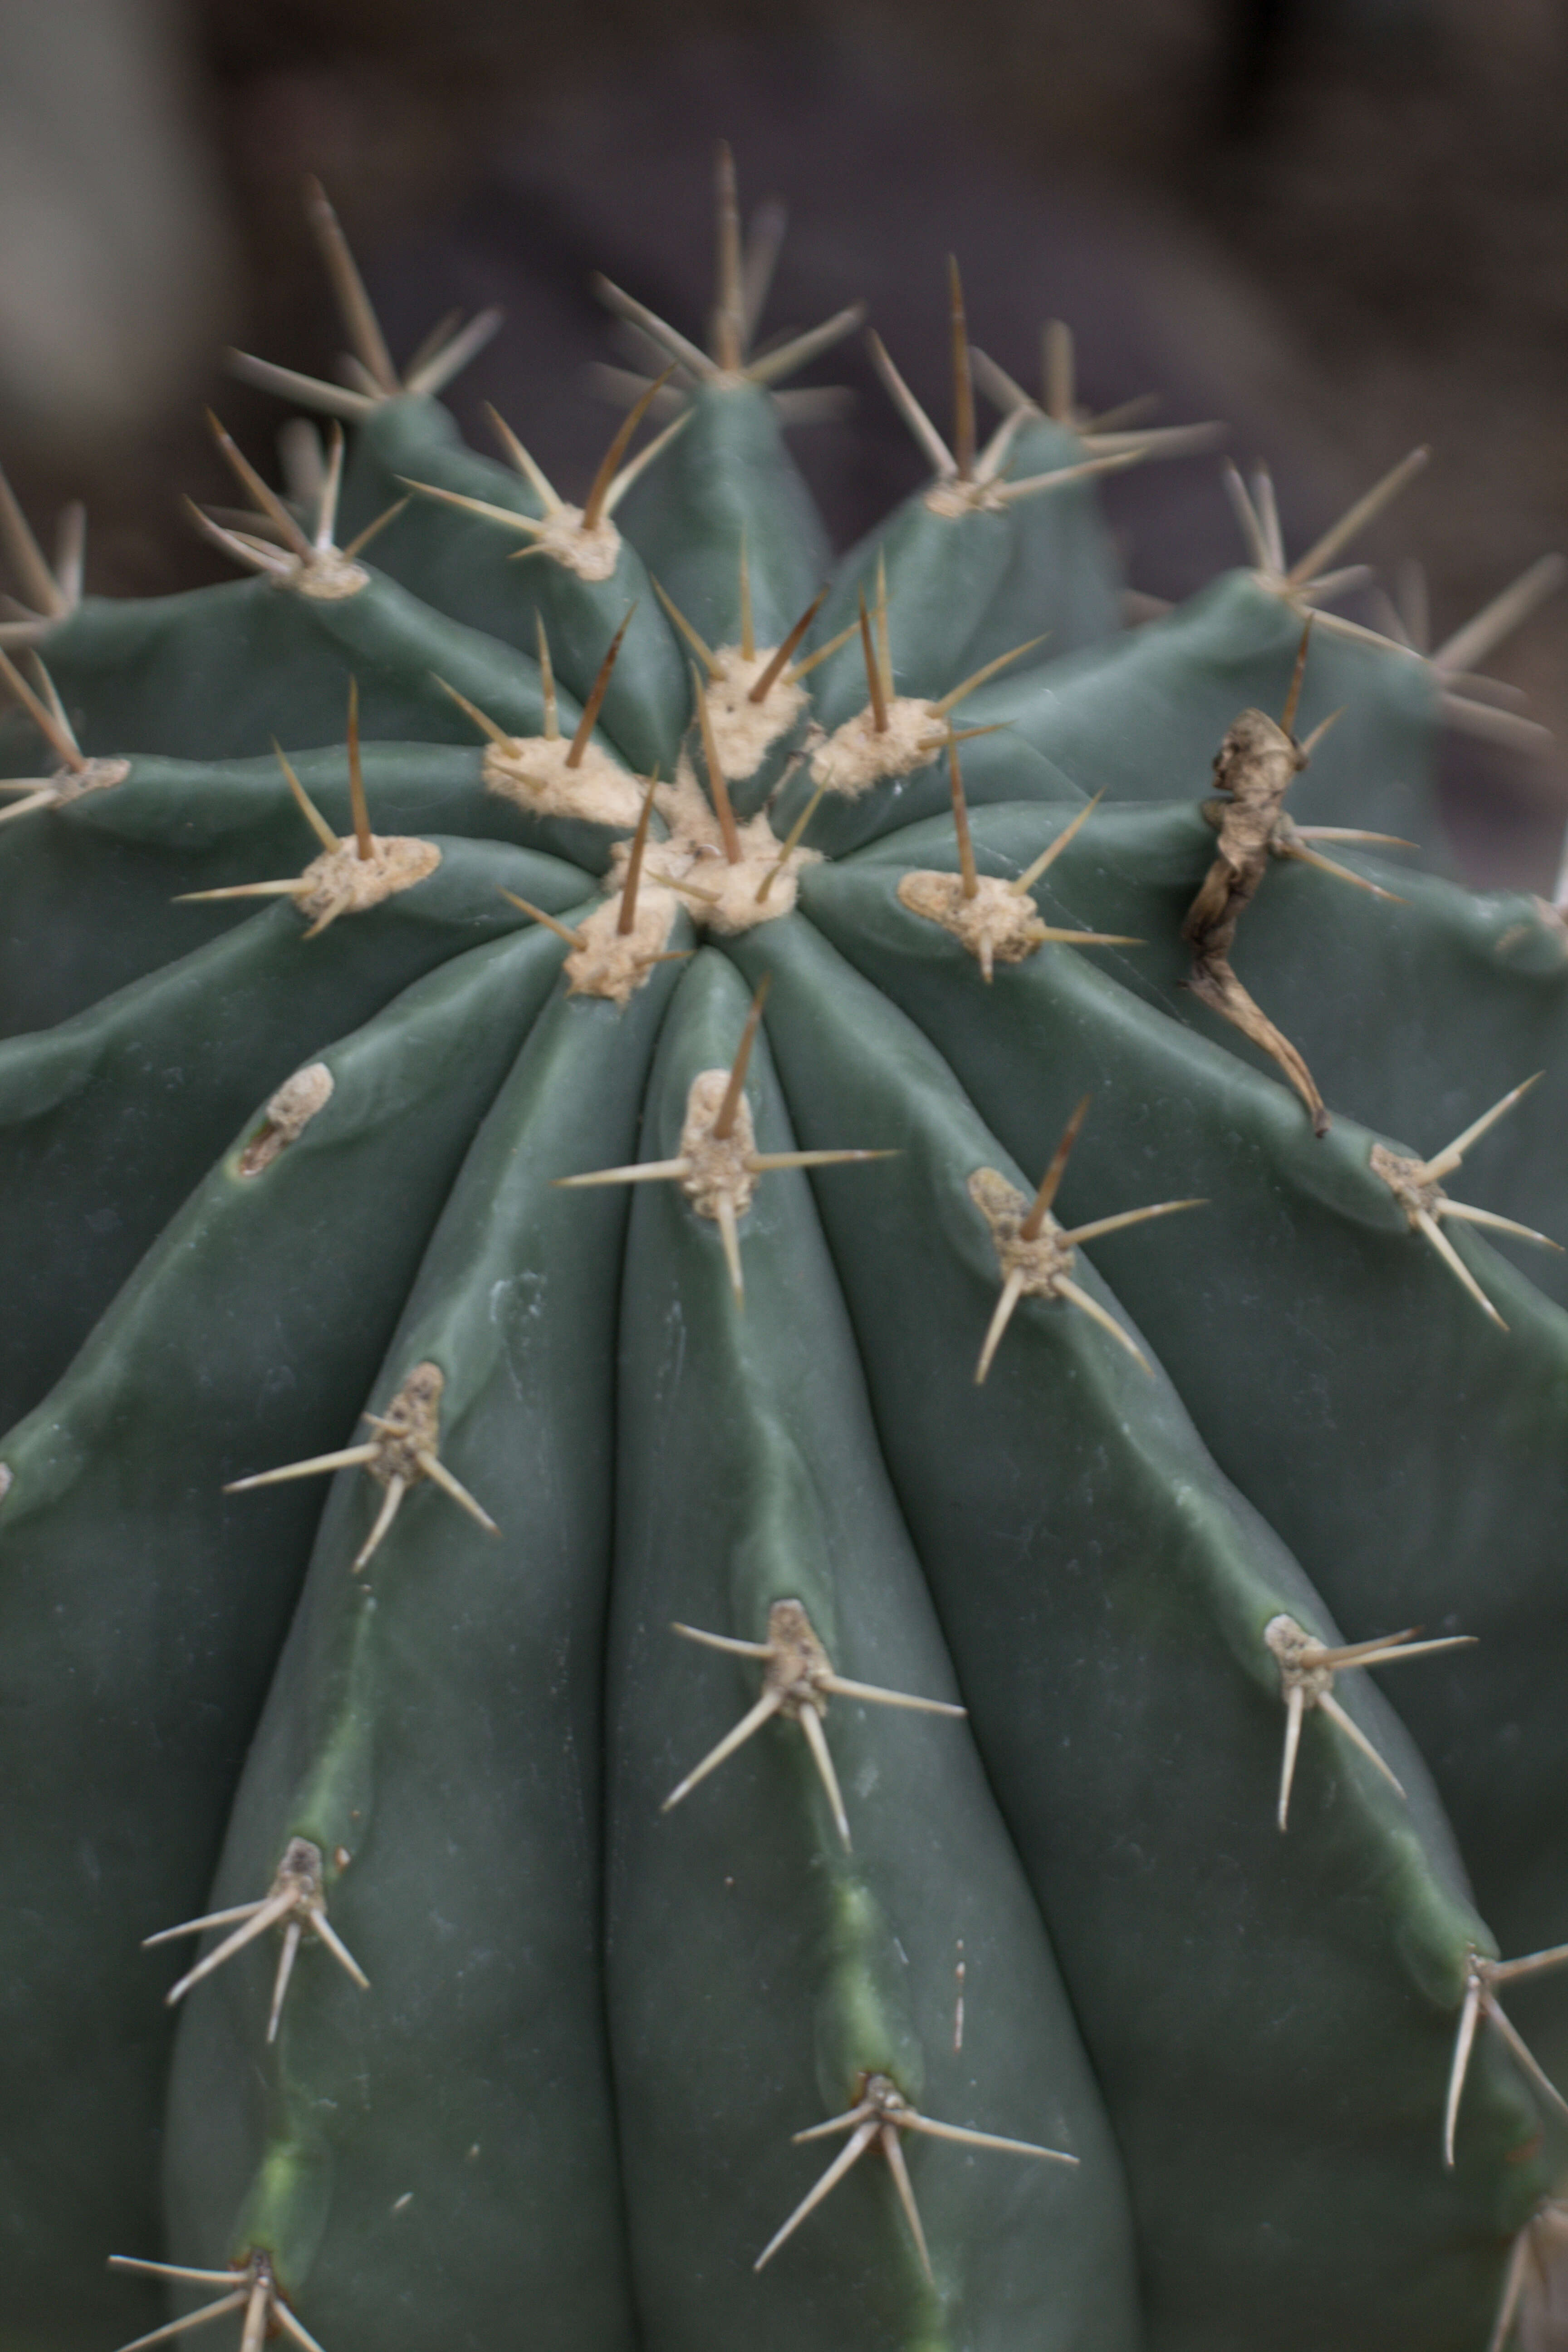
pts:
[713, 1458]
[160, 1601]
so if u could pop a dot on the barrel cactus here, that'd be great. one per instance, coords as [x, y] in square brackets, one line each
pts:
[717, 1442]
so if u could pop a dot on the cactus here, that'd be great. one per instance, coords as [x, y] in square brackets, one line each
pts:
[714, 1454]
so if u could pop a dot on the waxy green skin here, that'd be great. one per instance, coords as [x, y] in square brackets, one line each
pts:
[749, 1473]
[89, 889]
[253, 1326]
[108, 1120]
[467, 566]
[726, 477]
[1414, 1012]
[1105, 1595]
[1334, 1367]
[220, 673]
[1142, 719]
[1416, 1016]
[942, 570]
[1065, 576]
[1269, 2019]
[996, 768]
[962, 590]
[432, 1716]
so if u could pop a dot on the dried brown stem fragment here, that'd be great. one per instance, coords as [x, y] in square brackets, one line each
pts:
[1254, 768]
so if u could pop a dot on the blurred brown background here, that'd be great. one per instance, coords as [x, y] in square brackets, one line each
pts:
[1341, 224]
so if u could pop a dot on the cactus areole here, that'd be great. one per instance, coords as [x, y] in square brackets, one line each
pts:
[746, 1303]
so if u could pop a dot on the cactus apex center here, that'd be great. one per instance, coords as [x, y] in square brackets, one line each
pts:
[533, 770]
[746, 724]
[861, 753]
[727, 894]
[746, 696]
[608, 961]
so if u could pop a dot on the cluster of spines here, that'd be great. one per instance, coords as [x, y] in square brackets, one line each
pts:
[798, 1676]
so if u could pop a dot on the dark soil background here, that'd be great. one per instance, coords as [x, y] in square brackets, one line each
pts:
[1339, 225]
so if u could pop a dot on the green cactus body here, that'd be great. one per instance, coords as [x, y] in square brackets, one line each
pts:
[173, 828]
[745, 1461]
[1415, 999]
[817, 1774]
[138, 677]
[1156, 1542]
[935, 563]
[1140, 719]
[467, 567]
[110, 1117]
[727, 480]
[253, 1325]
[1063, 570]
[1003, 534]
[510, 2187]
[1382, 1354]
[998, 767]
